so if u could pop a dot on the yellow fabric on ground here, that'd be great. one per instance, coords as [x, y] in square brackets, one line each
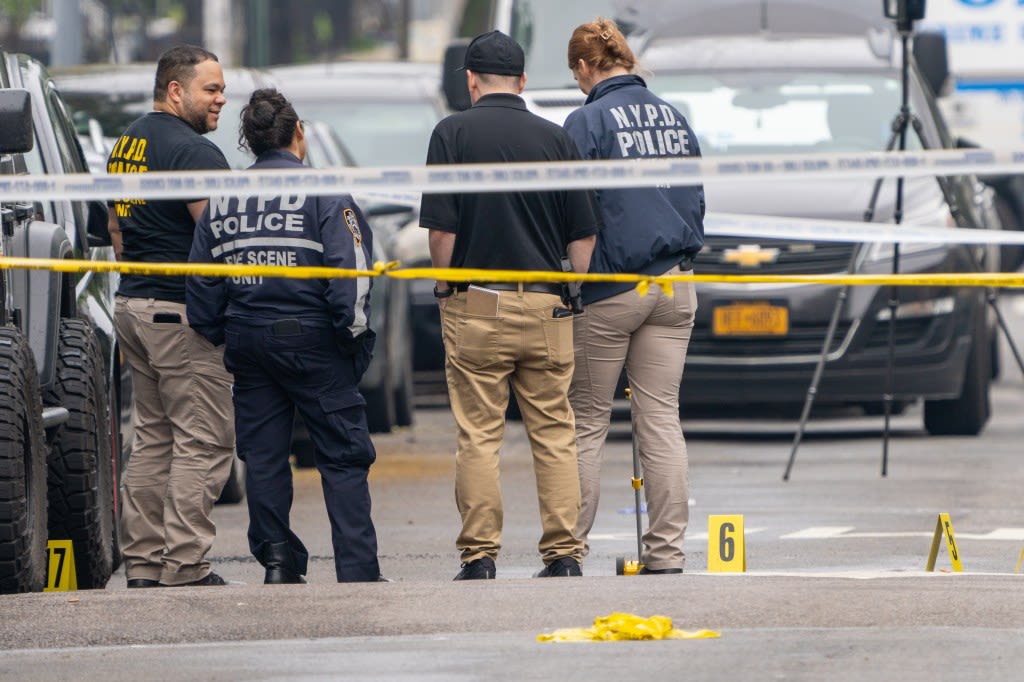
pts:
[625, 626]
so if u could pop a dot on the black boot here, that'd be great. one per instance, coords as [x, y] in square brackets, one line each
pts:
[277, 559]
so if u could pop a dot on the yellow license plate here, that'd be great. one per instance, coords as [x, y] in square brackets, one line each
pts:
[750, 319]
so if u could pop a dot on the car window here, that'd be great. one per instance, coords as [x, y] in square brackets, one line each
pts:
[543, 28]
[378, 133]
[116, 111]
[226, 134]
[34, 166]
[758, 112]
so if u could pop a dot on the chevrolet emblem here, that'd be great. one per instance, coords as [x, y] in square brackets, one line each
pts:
[750, 256]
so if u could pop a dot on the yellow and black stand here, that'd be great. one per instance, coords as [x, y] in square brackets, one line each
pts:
[61, 576]
[727, 551]
[1020, 561]
[944, 527]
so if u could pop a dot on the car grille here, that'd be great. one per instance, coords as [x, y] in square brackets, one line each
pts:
[922, 332]
[761, 257]
[802, 339]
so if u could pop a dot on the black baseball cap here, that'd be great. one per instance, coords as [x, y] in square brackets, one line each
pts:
[495, 53]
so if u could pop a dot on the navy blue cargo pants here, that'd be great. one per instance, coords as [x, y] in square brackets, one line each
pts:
[279, 368]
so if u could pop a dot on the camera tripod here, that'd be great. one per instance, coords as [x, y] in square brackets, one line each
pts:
[904, 119]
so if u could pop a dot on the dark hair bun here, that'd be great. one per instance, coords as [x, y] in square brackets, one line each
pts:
[268, 121]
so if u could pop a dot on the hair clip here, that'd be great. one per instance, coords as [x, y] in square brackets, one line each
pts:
[606, 36]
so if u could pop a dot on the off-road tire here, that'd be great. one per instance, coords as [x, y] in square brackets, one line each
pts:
[23, 559]
[81, 469]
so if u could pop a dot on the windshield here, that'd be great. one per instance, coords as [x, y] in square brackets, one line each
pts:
[766, 113]
[543, 28]
[378, 133]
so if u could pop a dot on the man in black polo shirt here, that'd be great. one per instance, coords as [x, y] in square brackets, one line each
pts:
[183, 417]
[495, 333]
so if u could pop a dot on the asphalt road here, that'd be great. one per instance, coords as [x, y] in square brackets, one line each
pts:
[835, 585]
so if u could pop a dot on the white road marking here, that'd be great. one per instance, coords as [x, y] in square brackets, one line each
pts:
[834, 532]
[843, 533]
[689, 536]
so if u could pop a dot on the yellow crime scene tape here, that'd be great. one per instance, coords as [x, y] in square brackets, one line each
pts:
[402, 184]
[394, 270]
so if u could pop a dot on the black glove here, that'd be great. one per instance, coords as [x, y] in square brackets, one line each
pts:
[360, 349]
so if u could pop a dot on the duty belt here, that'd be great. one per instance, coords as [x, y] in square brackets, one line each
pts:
[537, 287]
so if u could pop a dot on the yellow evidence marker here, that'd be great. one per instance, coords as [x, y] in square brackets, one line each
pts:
[61, 576]
[727, 552]
[944, 527]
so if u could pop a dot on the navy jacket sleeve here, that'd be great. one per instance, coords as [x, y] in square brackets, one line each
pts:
[348, 243]
[206, 298]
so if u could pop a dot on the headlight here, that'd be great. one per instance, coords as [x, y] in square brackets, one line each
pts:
[931, 308]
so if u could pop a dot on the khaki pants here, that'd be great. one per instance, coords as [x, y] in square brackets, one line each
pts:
[649, 335]
[526, 345]
[184, 442]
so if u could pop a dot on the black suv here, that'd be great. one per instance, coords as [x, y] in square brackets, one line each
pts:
[64, 399]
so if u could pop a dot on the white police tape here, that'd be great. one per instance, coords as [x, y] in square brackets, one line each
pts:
[511, 176]
[769, 227]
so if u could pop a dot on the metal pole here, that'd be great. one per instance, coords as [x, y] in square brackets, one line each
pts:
[403, 28]
[217, 30]
[894, 296]
[66, 47]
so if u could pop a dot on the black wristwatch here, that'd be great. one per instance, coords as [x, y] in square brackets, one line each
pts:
[443, 294]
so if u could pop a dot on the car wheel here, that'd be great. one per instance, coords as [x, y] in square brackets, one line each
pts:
[81, 486]
[995, 360]
[967, 414]
[23, 560]
[405, 393]
[234, 489]
[380, 409]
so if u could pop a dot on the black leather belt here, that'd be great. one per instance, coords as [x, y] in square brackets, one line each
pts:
[536, 287]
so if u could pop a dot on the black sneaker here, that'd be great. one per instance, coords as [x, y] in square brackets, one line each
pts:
[478, 569]
[134, 583]
[210, 578]
[659, 571]
[562, 567]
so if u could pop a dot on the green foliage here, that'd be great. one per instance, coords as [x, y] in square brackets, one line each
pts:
[323, 28]
[19, 10]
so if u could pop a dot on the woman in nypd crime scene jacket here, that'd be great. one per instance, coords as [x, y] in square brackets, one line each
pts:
[648, 230]
[292, 343]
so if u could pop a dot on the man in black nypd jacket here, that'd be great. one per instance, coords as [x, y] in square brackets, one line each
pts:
[292, 344]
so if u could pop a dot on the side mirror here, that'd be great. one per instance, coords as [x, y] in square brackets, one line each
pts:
[15, 122]
[932, 59]
[96, 223]
[453, 82]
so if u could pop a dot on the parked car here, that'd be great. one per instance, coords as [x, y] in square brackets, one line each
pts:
[384, 113]
[758, 344]
[789, 76]
[64, 394]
